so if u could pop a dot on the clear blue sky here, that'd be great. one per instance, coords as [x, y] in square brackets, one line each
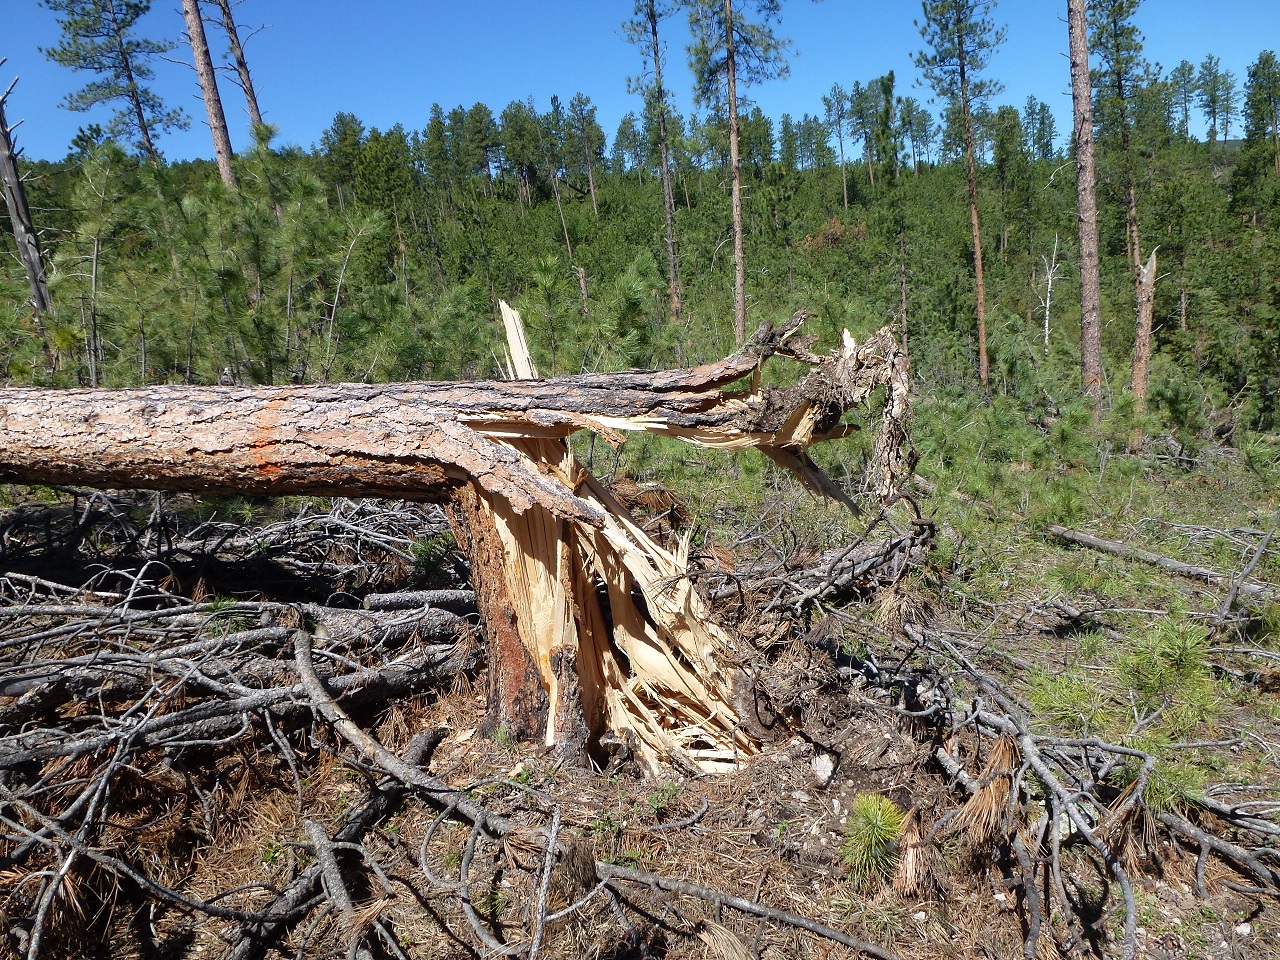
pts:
[387, 61]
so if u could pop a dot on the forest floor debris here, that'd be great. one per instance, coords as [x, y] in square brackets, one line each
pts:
[172, 787]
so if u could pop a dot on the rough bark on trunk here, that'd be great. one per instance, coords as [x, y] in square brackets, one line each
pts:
[24, 232]
[1146, 291]
[735, 177]
[516, 700]
[242, 65]
[593, 627]
[591, 182]
[209, 90]
[1087, 209]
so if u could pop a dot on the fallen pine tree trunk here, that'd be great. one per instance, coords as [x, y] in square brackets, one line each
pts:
[592, 627]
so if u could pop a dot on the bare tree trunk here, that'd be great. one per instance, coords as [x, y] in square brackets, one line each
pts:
[1143, 276]
[564, 224]
[1146, 286]
[209, 91]
[1087, 209]
[24, 232]
[675, 290]
[242, 65]
[984, 372]
[902, 281]
[517, 704]
[1050, 275]
[591, 183]
[95, 342]
[735, 175]
[413, 440]
[844, 176]
[1275, 138]
[581, 274]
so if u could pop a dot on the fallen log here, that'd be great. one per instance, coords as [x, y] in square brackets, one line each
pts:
[458, 602]
[414, 440]
[592, 626]
[1116, 549]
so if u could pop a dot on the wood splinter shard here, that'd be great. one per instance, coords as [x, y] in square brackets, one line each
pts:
[651, 664]
[546, 541]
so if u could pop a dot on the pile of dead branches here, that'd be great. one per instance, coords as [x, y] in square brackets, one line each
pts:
[152, 709]
[166, 675]
[129, 711]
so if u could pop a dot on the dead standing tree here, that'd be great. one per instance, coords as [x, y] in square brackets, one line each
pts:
[232, 31]
[593, 628]
[24, 232]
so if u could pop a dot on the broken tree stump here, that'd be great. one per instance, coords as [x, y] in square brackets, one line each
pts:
[593, 628]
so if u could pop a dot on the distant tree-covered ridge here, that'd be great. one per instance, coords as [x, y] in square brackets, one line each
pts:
[379, 254]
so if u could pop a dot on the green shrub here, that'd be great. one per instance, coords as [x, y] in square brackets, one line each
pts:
[871, 837]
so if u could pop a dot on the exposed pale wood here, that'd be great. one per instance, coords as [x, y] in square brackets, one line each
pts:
[657, 668]
[516, 699]
[1145, 281]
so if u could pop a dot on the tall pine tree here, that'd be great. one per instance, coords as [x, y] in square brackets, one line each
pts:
[728, 50]
[98, 37]
[1086, 208]
[961, 37]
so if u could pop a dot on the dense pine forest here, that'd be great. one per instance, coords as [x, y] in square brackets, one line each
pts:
[379, 254]
[1011, 689]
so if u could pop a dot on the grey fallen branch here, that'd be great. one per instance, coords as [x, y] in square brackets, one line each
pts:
[290, 905]
[834, 574]
[1256, 591]
[460, 602]
[614, 872]
[1008, 721]
[1224, 609]
[460, 804]
[218, 719]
